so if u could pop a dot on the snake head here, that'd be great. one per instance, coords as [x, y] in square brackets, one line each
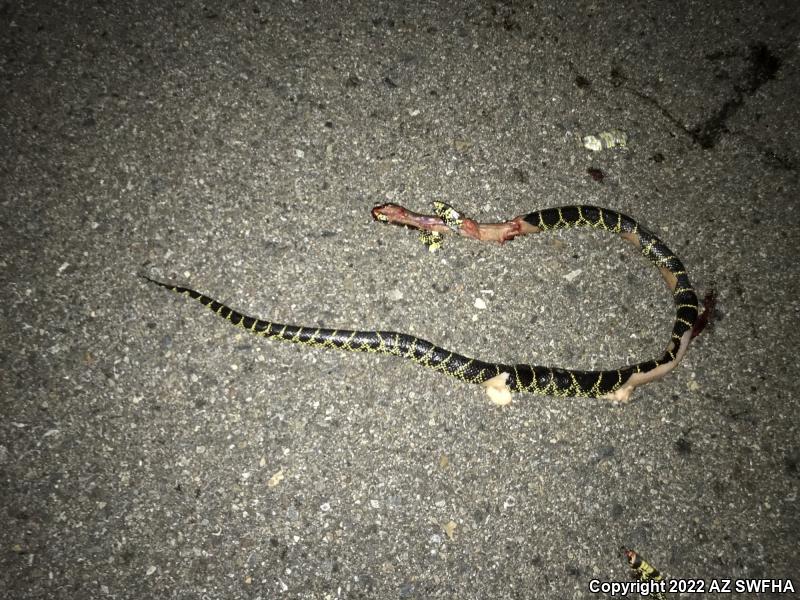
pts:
[388, 213]
[397, 215]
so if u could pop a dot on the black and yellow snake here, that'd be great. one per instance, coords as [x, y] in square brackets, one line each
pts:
[500, 379]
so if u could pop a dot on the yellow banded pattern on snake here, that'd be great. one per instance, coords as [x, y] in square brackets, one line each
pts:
[646, 572]
[614, 384]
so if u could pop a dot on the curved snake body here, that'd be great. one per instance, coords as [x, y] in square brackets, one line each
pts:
[616, 384]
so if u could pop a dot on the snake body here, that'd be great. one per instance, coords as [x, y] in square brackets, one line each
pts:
[616, 384]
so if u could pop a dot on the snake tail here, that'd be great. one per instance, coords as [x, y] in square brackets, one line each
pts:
[381, 342]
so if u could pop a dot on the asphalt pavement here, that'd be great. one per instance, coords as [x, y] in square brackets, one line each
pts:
[150, 450]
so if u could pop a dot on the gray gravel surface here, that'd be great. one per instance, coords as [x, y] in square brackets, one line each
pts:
[150, 450]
